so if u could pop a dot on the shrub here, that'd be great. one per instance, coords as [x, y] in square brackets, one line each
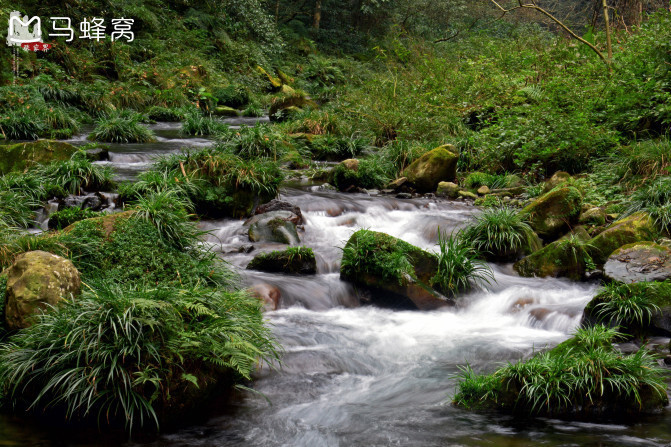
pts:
[68, 216]
[458, 266]
[195, 123]
[586, 375]
[232, 96]
[119, 129]
[158, 113]
[501, 234]
[131, 353]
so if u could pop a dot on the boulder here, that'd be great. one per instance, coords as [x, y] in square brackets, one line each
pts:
[392, 272]
[295, 260]
[483, 190]
[557, 179]
[638, 227]
[466, 195]
[397, 184]
[437, 165]
[280, 205]
[36, 280]
[274, 84]
[639, 262]
[346, 174]
[97, 154]
[593, 216]
[553, 213]
[448, 189]
[21, 156]
[267, 294]
[225, 111]
[557, 259]
[274, 226]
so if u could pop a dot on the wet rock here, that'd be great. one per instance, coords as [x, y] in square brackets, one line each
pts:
[540, 313]
[246, 249]
[98, 154]
[280, 205]
[556, 259]
[638, 227]
[294, 260]
[18, 157]
[397, 184]
[593, 216]
[466, 195]
[483, 190]
[327, 187]
[557, 179]
[404, 195]
[268, 294]
[365, 264]
[36, 280]
[639, 262]
[552, 214]
[448, 189]
[225, 111]
[521, 303]
[437, 165]
[274, 226]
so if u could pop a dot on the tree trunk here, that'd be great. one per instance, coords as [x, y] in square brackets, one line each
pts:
[277, 12]
[606, 16]
[318, 15]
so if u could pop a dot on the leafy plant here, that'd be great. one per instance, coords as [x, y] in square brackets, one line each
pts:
[195, 123]
[66, 217]
[74, 175]
[629, 306]
[458, 266]
[500, 233]
[120, 129]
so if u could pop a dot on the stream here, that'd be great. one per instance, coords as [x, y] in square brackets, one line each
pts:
[356, 375]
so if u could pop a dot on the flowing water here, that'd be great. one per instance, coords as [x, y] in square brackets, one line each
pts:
[355, 375]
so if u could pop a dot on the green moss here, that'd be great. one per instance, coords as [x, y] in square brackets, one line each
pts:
[293, 260]
[551, 213]
[437, 165]
[367, 174]
[569, 257]
[68, 216]
[18, 157]
[635, 228]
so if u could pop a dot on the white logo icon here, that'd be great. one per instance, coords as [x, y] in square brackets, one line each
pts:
[19, 29]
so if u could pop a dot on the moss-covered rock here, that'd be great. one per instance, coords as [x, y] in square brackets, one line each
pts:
[639, 262]
[290, 104]
[448, 189]
[225, 111]
[18, 157]
[593, 216]
[294, 260]
[274, 84]
[636, 228]
[437, 165]
[552, 214]
[36, 280]
[392, 272]
[567, 257]
[557, 179]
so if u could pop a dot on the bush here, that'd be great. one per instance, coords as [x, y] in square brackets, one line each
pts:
[585, 375]
[119, 129]
[232, 96]
[68, 216]
[133, 355]
[195, 123]
[501, 234]
[458, 266]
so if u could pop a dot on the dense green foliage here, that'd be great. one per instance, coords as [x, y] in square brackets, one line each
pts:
[66, 217]
[584, 375]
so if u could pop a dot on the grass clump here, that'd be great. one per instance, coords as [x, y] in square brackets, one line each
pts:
[131, 354]
[584, 376]
[121, 129]
[249, 143]
[167, 114]
[458, 266]
[21, 125]
[74, 175]
[197, 124]
[369, 173]
[501, 234]
[293, 260]
[655, 198]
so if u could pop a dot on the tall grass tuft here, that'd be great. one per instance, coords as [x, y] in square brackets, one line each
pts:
[121, 129]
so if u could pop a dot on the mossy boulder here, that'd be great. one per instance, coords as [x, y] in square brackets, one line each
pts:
[36, 280]
[638, 227]
[563, 258]
[289, 104]
[391, 272]
[294, 260]
[274, 84]
[21, 156]
[639, 262]
[225, 111]
[593, 216]
[274, 226]
[552, 214]
[437, 165]
[448, 189]
[557, 179]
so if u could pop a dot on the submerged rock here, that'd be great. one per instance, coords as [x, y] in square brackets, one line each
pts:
[437, 165]
[268, 294]
[36, 280]
[392, 272]
[639, 262]
[552, 214]
[274, 226]
[294, 260]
